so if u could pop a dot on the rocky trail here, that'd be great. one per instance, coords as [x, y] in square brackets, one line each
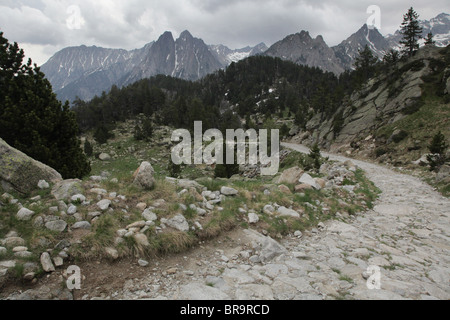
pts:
[405, 237]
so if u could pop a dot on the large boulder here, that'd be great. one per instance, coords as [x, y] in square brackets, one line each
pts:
[143, 177]
[291, 176]
[21, 173]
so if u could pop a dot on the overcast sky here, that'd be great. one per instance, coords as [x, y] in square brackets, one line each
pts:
[42, 27]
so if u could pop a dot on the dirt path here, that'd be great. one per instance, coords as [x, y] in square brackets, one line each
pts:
[406, 238]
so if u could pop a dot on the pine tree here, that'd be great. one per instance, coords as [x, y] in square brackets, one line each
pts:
[33, 120]
[412, 33]
[365, 65]
[429, 40]
[316, 157]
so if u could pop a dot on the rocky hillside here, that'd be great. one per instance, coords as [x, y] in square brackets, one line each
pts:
[131, 209]
[394, 117]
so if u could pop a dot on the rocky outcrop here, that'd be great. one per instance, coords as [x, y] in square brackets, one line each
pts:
[384, 100]
[21, 173]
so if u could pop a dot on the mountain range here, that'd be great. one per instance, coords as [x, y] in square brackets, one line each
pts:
[88, 71]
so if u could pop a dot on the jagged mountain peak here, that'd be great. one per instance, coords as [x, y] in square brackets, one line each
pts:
[302, 49]
[186, 35]
[349, 49]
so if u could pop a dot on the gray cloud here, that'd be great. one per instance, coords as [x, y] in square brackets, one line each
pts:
[41, 25]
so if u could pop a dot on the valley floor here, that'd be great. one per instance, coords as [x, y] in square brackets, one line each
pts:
[406, 235]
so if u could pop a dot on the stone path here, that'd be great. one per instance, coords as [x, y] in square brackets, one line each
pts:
[406, 238]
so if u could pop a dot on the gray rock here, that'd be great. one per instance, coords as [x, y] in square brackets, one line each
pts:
[58, 261]
[78, 198]
[64, 190]
[104, 204]
[25, 214]
[291, 176]
[3, 251]
[227, 191]
[269, 248]
[13, 242]
[72, 210]
[148, 215]
[21, 173]
[307, 179]
[143, 263]
[143, 178]
[253, 218]
[178, 222]
[57, 226]
[285, 212]
[269, 209]
[104, 157]
[82, 225]
[47, 263]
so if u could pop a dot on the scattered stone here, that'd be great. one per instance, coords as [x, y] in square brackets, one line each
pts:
[137, 224]
[298, 234]
[143, 177]
[178, 222]
[11, 242]
[98, 191]
[57, 226]
[78, 198]
[58, 261]
[285, 212]
[307, 179]
[269, 209]
[148, 215]
[227, 191]
[46, 262]
[172, 271]
[72, 210]
[64, 190]
[104, 157]
[25, 214]
[291, 176]
[104, 204]
[143, 263]
[82, 225]
[253, 218]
